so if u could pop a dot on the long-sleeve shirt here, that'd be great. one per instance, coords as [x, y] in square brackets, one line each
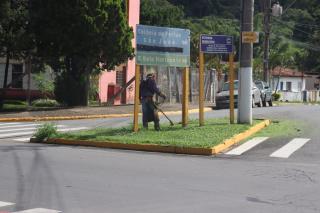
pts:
[149, 88]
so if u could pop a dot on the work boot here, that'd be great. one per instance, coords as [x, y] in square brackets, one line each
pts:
[156, 126]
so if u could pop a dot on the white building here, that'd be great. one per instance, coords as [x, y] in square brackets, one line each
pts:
[17, 80]
[291, 83]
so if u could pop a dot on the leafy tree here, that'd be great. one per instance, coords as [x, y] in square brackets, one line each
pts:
[15, 39]
[160, 13]
[76, 36]
[43, 84]
[210, 25]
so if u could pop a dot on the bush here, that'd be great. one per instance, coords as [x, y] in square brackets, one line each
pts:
[15, 102]
[276, 96]
[45, 103]
[45, 131]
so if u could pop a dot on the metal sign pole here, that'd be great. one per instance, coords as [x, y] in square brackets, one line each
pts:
[201, 88]
[231, 86]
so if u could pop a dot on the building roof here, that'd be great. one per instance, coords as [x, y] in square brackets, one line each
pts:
[287, 72]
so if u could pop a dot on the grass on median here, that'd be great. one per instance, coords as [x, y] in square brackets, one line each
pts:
[213, 133]
[282, 128]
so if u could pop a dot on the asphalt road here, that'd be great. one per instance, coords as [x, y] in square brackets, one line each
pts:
[83, 180]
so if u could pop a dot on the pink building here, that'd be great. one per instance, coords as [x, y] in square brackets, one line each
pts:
[112, 81]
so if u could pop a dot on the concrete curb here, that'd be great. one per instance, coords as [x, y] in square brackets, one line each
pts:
[26, 119]
[167, 149]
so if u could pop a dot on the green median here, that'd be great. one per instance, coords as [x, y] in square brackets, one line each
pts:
[213, 133]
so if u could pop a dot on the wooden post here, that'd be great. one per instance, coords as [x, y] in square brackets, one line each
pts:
[201, 89]
[136, 99]
[185, 95]
[231, 86]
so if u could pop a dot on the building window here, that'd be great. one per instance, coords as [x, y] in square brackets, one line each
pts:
[281, 85]
[119, 78]
[17, 76]
[289, 86]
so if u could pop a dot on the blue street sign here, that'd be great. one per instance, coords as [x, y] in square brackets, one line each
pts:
[162, 46]
[216, 44]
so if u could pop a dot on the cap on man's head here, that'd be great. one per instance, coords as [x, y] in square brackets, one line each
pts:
[150, 75]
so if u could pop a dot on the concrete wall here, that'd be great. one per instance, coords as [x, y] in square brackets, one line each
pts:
[306, 96]
[294, 83]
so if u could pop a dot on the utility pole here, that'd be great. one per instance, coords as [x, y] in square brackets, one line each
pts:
[267, 28]
[245, 74]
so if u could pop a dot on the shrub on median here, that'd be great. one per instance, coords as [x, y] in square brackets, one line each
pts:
[45, 131]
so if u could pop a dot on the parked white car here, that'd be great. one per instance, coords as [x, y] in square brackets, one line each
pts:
[223, 97]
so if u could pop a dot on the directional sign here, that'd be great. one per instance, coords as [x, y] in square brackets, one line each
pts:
[162, 46]
[216, 44]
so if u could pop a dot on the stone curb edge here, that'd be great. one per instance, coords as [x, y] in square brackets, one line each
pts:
[26, 119]
[159, 148]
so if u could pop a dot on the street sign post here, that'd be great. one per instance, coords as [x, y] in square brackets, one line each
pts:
[250, 37]
[162, 46]
[215, 44]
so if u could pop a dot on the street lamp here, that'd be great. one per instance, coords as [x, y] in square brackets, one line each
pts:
[275, 10]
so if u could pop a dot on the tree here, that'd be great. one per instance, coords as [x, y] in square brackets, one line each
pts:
[160, 13]
[76, 36]
[15, 40]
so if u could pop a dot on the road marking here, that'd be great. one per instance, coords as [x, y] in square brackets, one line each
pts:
[3, 124]
[72, 129]
[246, 146]
[21, 129]
[2, 204]
[16, 134]
[21, 139]
[22, 133]
[290, 148]
[39, 210]
[18, 125]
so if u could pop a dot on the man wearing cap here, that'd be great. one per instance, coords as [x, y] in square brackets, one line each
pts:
[148, 88]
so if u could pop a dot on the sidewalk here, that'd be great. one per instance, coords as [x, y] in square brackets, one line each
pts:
[87, 112]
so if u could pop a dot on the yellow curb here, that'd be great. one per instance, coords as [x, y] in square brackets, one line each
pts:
[137, 147]
[160, 148]
[25, 119]
[239, 137]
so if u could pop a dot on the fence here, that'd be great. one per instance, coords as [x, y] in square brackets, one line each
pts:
[169, 80]
[305, 96]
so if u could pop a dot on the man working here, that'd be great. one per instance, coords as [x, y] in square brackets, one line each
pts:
[148, 88]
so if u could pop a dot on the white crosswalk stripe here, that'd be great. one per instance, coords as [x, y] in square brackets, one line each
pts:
[18, 125]
[34, 210]
[12, 130]
[3, 204]
[5, 124]
[22, 129]
[284, 152]
[290, 148]
[247, 146]
[38, 210]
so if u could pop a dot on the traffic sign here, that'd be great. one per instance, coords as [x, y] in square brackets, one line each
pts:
[162, 46]
[216, 44]
[250, 37]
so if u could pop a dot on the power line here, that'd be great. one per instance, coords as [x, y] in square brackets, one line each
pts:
[294, 28]
[285, 10]
[309, 46]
